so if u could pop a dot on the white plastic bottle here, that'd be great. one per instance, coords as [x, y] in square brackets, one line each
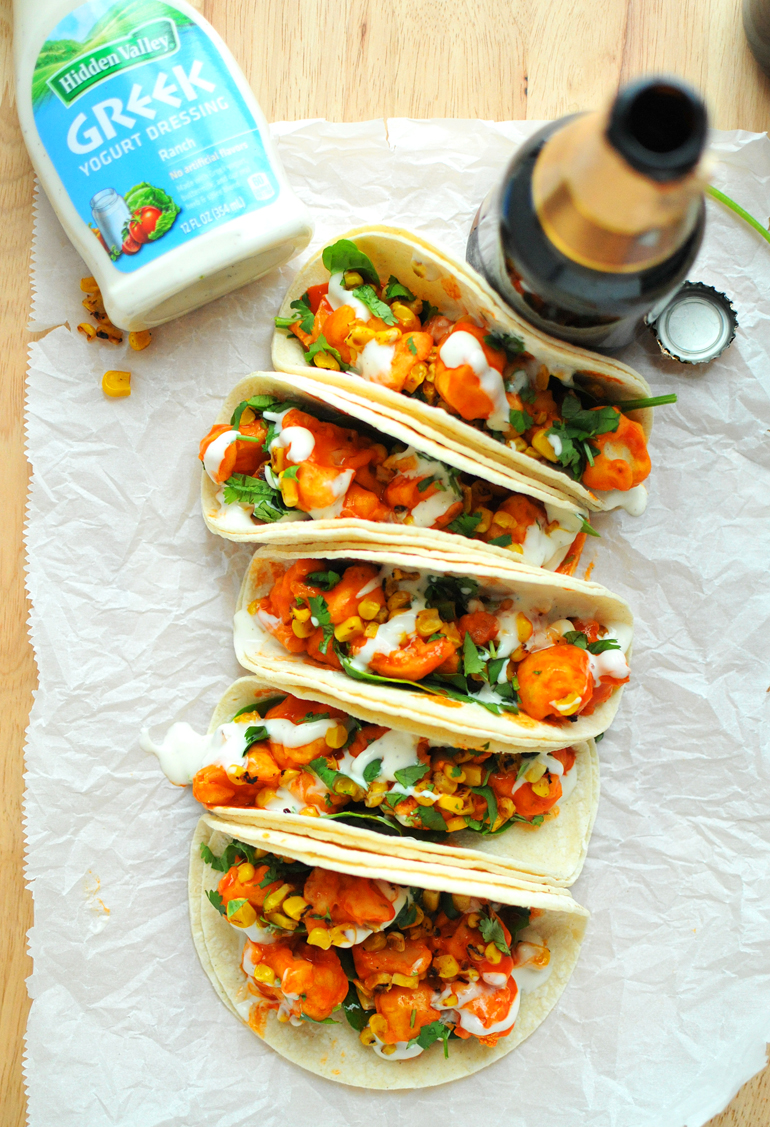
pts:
[153, 151]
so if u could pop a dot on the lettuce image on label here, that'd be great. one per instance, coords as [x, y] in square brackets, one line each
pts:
[147, 129]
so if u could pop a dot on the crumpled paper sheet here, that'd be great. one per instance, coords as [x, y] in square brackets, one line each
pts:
[667, 1012]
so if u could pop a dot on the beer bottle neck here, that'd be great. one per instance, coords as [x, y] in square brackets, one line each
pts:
[601, 212]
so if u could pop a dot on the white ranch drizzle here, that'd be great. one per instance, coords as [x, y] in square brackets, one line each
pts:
[215, 452]
[339, 296]
[463, 348]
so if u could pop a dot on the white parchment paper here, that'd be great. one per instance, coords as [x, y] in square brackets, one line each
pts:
[667, 1013]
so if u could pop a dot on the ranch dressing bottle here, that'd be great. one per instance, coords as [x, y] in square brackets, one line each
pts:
[153, 151]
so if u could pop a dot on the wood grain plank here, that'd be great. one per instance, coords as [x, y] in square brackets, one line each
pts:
[351, 61]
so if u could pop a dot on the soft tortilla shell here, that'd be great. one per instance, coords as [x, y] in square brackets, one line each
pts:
[335, 1052]
[428, 714]
[456, 289]
[554, 852]
[313, 395]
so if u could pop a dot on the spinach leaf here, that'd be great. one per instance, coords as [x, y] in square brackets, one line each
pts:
[345, 255]
[394, 290]
[376, 307]
[356, 1015]
[408, 776]
[372, 770]
[320, 613]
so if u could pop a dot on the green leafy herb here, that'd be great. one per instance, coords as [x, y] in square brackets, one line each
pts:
[588, 528]
[278, 870]
[447, 906]
[408, 914]
[394, 290]
[385, 826]
[520, 420]
[603, 645]
[579, 425]
[436, 1031]
[465, 525]
[431, 819]
[597, 739]
[472, 662]
[235, 853]
[344, 255]
[576, 638]
[320, 613]
[412, 1019]
[524, 766]
[503, 541]
[255, 735]
[267, 501]
[516, 919]
[372, 770]
[408, 776]
[324, 579]
[377, 308]
[411, 345]
[234, 906]
[489, 795]
[328, 775]
[306, 314]
[449, 595]
[322, 345]
[426, 482]
[435, 637]
[356, 1015]
[261, 707]
[259, 404]
[216, 899]
[511, 345]
[290, 474]
[527, 394]
[318, 1021]
[428, 311]
[492, 931]
[646, 401]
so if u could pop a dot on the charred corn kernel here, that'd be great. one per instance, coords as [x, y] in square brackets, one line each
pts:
[368, 609]
[338, 937]
[246, 872]
[310, 812]
[89, 285]
[110, 332]
[542, 377]
[399, 600]
[377, 941]
[443, 784]
[411, 981]
[352, 627]
[274, 899]
[281, 920]
[462, 903]
[378, 1025]
[278, 458]
[366, 1037]
[416, 376]
[335, 737]
[543, 446]
[492, 953]
[452, 802]
[302, 614]
[289, 491]
[395, 941]
[388, 336]
[405, 316]
[542, 789]
[419, 916]
[351, 279]
[451, 1000]
[472, 974]
[366, 1000]
[453, 772]
[374, 797]
[431, 376]
[359, 336]
[536, 771]
[116, 384]
[473, 919]
[294, 906]
[289, 775]
[446, 966]
[567, 706]
[319, 937]
[523, 627]
[474, 773]
[88, 331]
[302, 629]
[266, 974]
[505, 808]
[428, 622]
[520, 444]
[348, 787]
[503, 520]
[140, 340]
[518, 655]
[485, 521]
[430, 899]
[370, 630]
[245, 916]
[452, 633]
[454, 825]
[382, 615]
[374, 980]
[235, 771]
[326, 360]
[533, 452]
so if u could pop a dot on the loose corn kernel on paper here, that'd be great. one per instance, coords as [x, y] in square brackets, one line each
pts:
[667, 1012]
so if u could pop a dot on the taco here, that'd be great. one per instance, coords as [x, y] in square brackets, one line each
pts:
[292, 460]
[353, 966]
[506, 656]
[385, 316]
[272, 760]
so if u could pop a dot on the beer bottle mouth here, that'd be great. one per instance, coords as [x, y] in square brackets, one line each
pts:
[658, 125]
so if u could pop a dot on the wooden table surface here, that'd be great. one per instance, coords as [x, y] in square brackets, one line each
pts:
[348, 61]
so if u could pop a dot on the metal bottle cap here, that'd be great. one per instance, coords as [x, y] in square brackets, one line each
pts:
[697, 324]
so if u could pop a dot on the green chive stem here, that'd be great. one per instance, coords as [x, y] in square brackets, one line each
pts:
[736, 207]
[650, 401]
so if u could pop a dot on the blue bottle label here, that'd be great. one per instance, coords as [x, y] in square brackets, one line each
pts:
[146, 127]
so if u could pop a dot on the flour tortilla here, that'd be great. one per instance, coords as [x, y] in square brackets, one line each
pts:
[456, 289]
[422, 712]
[313, 396]
[553, 852]
[335, 1051]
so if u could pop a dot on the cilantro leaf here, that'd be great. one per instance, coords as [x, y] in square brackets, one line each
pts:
[516, 919]
[520, 420]
[318, 1021]
[527, 394]
[324, 579]
[255, 735]
[503, 541]
[244, 490]
[320, 613]
[426, 482]
[328, 775]
[449, 595]
[408, 776]
[447, 906]
[234, 906]
[603, 645]
[311, 717]
[492, 932]
[217, 901]
[278, 870]
[376, 307]
[465, 525]
[489, 795]
[356, 1015]
[411, 345]
[472, 662]
[259, 404]
[394, 290]
[235, 852]
[407, 915]
[435, 1031]
[372, 770]
[306, 314]
[344, 255]
[511, 345]
[576, 638]
[431, 819]
[428, 311]
[322, 345]
[576, 429]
